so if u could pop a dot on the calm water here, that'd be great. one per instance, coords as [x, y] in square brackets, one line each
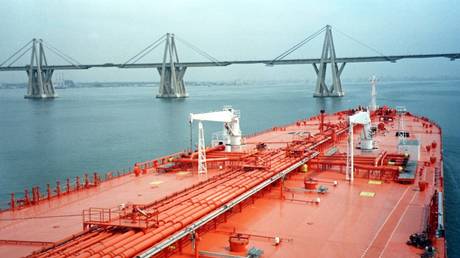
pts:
[102, 129]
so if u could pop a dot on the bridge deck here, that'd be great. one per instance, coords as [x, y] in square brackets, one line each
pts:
[358, 59]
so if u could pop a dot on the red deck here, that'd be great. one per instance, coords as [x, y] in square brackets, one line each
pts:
[370, 217]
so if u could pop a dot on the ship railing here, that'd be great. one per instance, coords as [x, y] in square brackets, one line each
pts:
[98, 215]
[36, 194]
[131, 216]
[162, 161]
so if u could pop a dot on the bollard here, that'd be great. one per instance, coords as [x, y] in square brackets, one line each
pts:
[95, 179]
[77, 182]
[37, 192]
[67, 185]
[58, 188]
[13, 202]
[86, 181]
[48, 190]
[26, 197]
[136, 170]
[34, 196]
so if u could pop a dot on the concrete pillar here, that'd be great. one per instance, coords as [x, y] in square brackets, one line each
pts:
[40, 83]
[172, 83]
[328, 57]
[171, 76]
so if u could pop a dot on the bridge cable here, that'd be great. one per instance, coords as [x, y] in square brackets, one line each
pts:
[25, 52]
[62, 57]
[12, 56]
[67, 58]
[146, 50]
[298, 45]
[199, 51]
[363, 44]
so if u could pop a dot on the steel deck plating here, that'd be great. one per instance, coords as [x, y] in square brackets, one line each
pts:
[258, 192]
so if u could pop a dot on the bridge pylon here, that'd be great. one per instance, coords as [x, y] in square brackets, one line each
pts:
[171, 76]
[328, 57]
[40, 85]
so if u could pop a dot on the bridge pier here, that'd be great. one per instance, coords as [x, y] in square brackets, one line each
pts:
[40, 85]
[172, 82]
[328, 57]
[171, 76]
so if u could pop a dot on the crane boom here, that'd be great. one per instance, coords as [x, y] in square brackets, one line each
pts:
[367, 143]
[360, 117]
[224, 116]
[231, 131]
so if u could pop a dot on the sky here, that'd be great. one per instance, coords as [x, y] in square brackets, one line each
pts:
[113, 31]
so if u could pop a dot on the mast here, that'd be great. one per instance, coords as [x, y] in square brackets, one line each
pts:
[373, 105]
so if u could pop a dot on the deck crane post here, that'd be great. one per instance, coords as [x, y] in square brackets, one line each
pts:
[367, 143]
[231, 120]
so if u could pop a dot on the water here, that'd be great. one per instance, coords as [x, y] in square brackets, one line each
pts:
[102, 129]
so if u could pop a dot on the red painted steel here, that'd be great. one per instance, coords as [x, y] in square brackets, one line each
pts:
[116, 232]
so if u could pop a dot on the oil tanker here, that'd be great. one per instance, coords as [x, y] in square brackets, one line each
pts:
[363, 182]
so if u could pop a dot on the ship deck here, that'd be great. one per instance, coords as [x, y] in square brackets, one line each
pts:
[344, 224]
[369, 217]
[23, 231]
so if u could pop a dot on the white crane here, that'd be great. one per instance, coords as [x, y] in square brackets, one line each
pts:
[367, 143]
[231, 120]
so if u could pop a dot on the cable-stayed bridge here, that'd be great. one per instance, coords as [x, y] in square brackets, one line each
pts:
[172, 70]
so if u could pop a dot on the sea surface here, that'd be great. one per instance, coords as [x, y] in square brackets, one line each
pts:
[105, 129]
